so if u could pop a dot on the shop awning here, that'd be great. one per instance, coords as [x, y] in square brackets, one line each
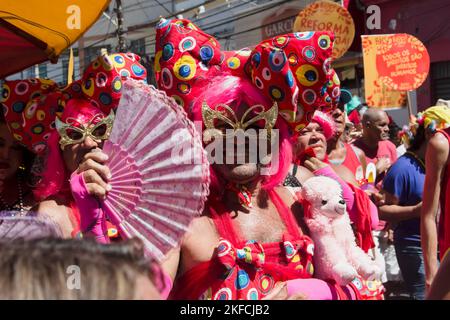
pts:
[35, 31]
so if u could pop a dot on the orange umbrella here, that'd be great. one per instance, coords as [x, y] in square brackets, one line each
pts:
[35, 31]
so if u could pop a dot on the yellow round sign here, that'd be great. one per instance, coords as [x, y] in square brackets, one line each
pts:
[328, 16]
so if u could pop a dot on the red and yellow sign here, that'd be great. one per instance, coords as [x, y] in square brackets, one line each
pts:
[377, 93]
[402, 61]
[328, 16]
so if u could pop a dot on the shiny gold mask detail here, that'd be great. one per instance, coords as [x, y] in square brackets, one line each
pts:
[210, 114]
[69, 134]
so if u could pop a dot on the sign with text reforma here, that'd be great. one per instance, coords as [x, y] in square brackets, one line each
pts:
[328, 16]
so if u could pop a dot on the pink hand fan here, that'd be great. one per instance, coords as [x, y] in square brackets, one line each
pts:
[160, 172]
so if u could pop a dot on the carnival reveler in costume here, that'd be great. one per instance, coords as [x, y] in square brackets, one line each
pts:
[310, 157]
[341, 153]
[251, 236]
[436, 191]
[403, 189]
[310, 146]
[64, 127]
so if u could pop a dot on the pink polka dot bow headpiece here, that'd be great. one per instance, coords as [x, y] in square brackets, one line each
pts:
[31, 106]
[293, 70]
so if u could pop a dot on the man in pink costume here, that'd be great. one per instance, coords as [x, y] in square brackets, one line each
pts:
[66, 127]
[251, 236]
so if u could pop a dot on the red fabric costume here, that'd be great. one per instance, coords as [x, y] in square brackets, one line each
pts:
[351, 160]
[363, 223]
[292, 70]
[243, 269]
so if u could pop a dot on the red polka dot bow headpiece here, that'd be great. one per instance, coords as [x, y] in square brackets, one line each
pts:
[293, 70]
[31, 106]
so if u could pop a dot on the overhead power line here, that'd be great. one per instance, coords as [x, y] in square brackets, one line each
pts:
[154, 22]
[138, 6]
[240, 17]
[163, 6]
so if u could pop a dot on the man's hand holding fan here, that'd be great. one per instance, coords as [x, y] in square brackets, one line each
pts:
[152, 176]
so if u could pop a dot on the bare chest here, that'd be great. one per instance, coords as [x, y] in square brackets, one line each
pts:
[338, 155]
[262, 226]
[203, 239]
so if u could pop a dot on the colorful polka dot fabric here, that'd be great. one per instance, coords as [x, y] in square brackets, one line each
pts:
[31, 106]
[293, 69]
[243, 276]
[102, 79]
[28, 119]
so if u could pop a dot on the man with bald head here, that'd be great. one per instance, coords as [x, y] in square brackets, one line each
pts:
[374, 141]
[383, 153]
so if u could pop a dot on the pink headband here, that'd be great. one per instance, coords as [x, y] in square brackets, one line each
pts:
[326, 122]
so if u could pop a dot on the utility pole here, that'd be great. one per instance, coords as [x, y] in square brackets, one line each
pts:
[121, 42]
[36, 71]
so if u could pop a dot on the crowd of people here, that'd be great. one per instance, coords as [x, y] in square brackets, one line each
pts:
[252, 240]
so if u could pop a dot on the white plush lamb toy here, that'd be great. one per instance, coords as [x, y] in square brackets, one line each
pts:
[336, 255]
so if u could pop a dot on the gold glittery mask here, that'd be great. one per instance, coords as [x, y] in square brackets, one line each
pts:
[227, 115]
[71, 134]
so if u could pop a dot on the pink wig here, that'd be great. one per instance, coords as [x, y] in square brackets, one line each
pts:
[234, 91]
[55, 173]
